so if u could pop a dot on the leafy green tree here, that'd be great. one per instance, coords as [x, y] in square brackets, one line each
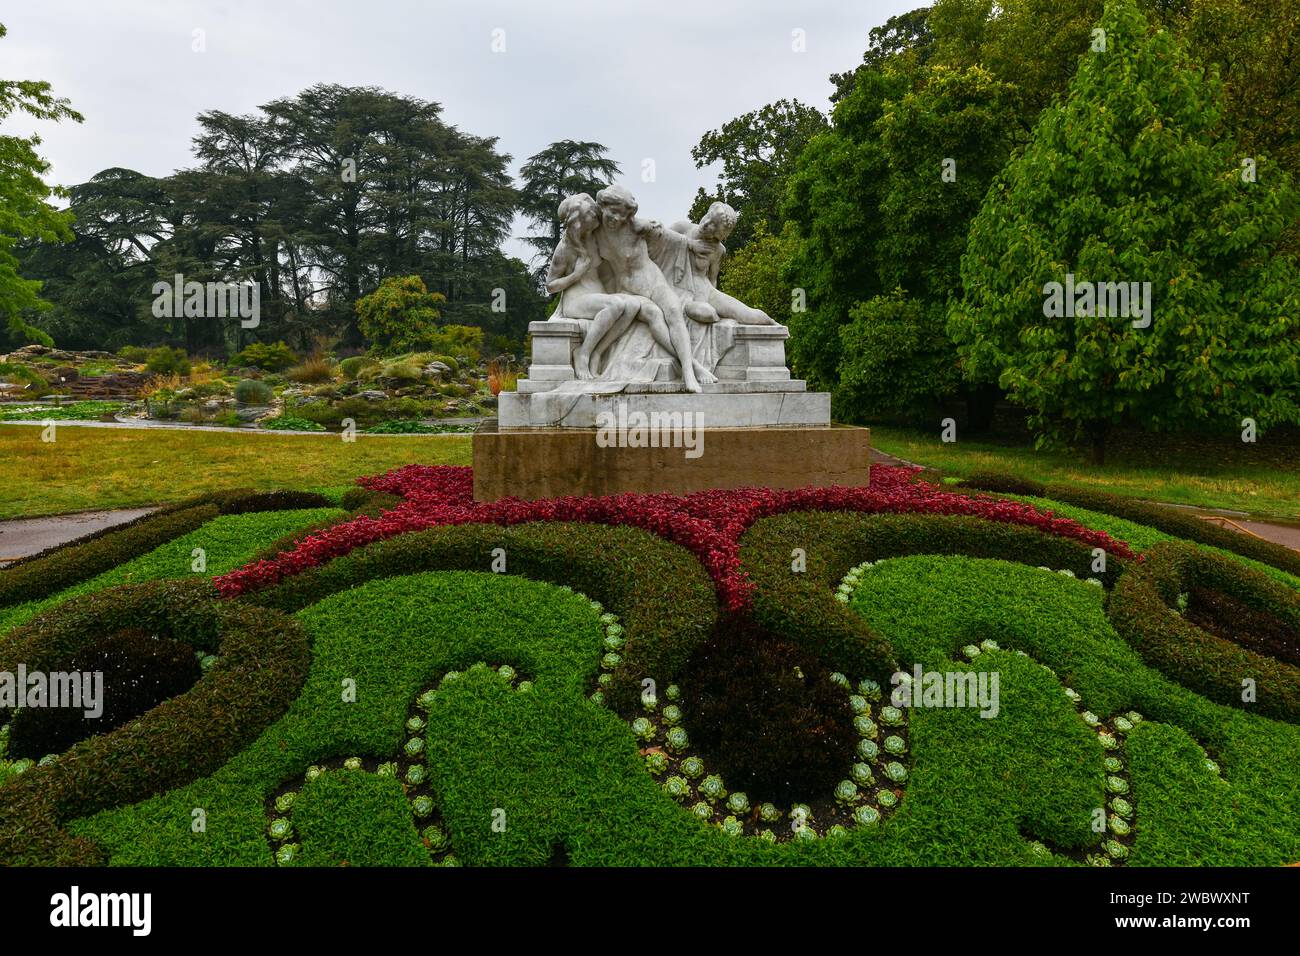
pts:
[883, 204]
[1130, 181]
[561, 169]
[754, 275]
[833, 199]
[401, 315]
[1032, 44]
[901, 41]
[1256, 48]
[897, 360]
[25, 211]
[758, 152]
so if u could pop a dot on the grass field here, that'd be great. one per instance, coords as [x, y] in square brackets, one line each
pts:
[1263, 478]
[87, 468]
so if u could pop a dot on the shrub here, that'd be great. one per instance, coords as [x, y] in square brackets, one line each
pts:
[661, 593]
[167, 361]
[269, 358]
[767, 714]
[405, 408]
[352, 367]
[312, 370]
[252, 392]
[263, 663]
[402, 372]
[1004, 484]
[51, 571]
[896, 360]
[466, 340]
[331, 415]
[139, 671]
[35, 382]
[400, 315]
[367, 501]
[134, 353]
[286, 423]
[1142, 610]
[800, 606]
[359, 502]
[1172, 521]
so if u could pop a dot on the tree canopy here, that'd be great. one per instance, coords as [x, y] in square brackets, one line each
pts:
[1128, 186]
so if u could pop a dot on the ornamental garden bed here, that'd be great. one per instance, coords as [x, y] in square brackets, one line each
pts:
[394, 674]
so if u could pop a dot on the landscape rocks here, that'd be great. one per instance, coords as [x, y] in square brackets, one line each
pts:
[252, 413]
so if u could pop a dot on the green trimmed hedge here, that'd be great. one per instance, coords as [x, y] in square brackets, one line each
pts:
[45, 576]
[54, 569]
[359, 502]
[365, 501]
[801, 606]
[663, 596]
[263, 659]
[1181, 524]
[1142, 609]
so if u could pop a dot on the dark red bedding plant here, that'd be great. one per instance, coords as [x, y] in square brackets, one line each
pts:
[708, 523]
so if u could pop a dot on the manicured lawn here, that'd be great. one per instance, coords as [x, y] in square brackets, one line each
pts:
[395, 702]
[1262, 478]
[88, 468]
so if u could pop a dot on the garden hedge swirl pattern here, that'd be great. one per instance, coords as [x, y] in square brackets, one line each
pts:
[406, 768]
[588, 611]
[1145, 609]
[261, 662]
[707, 523]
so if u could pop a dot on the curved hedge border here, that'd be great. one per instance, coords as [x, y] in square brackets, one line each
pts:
[802, 607]
[664, 597]
[41, 575]
[1169, 520]
[1141, 609]
[357, 502]
[262, 665]
[40, 578]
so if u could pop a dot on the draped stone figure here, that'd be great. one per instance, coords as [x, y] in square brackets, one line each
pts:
[640, 311]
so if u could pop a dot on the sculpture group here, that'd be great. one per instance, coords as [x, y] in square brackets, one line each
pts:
[646, 297]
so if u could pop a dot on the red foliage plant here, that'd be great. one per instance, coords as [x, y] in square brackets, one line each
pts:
[708, 523]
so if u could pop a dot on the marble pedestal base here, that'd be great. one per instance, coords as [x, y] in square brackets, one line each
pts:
[723, 405]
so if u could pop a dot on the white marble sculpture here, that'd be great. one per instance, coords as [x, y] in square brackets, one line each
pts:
[640, 313]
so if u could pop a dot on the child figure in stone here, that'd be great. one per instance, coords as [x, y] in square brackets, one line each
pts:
[703, 301]
[575, 275]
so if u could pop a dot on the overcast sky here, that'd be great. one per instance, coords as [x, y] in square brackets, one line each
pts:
[644, 78]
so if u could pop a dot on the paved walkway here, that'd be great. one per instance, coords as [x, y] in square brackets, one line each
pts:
[28, 536]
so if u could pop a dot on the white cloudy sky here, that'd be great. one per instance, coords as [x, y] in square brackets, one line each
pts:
[644, 78]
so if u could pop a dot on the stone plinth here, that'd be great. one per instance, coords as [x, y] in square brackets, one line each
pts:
[532, 463]
[721, 405]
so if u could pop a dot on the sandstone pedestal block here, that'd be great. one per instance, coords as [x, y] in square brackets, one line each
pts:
[533, 463]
